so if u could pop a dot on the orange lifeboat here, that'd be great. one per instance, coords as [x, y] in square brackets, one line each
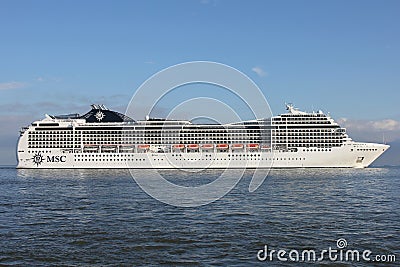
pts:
[237, 146]
[193, 146]
[222, 146]
[143, 146]
[207, 146]
[179, 146]
[252, 145]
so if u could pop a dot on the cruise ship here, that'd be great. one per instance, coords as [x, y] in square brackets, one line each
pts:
[103, 138]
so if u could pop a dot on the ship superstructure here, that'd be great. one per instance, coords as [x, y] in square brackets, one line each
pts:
[103, 138]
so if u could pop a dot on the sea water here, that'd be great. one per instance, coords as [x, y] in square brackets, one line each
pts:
[102, 217]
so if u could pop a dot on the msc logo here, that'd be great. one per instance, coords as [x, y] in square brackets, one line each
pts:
[56, 158]
[39, 158]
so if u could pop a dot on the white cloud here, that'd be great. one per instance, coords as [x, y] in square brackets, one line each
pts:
[12, 85]
[260, 72]
[386, 125]
[380, 125]
[372, 130]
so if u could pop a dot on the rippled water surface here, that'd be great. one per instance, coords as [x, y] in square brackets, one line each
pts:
[102, 217]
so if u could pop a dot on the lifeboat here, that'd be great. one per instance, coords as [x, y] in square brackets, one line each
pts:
[143, 146]
[265, 147]
[252, 145]
[108, 148]
[193, 146]
[222, 146]
[90, 147]
[207, 146]
[108, 145]
[126, 148]
[237, 146]
[178, 146]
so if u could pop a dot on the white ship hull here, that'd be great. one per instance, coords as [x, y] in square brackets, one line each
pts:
[351, 155]
[106, 139]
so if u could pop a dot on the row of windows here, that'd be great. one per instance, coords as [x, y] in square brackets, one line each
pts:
[50, 135]
[302, 122]
[39, 151]
[185, 134]
[36, 132]
[103, 155]
[172, 137]
[163, 142]
[233, 155]
[317, 133]
[308, 130]
[191, 140]
[270, 159]
[166, 136]
[224, 159]
[300, 118]
[256, 128]
[274, 144]
[52, 141]
[247, 156]
[307, 135]
[53, 147]
[315, 145]
[303, 135]
[166, 131]
[49, 143]
[107, 159]
[315, 150]
[308, 140]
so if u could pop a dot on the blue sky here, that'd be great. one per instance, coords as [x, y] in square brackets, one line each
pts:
[339, 56]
